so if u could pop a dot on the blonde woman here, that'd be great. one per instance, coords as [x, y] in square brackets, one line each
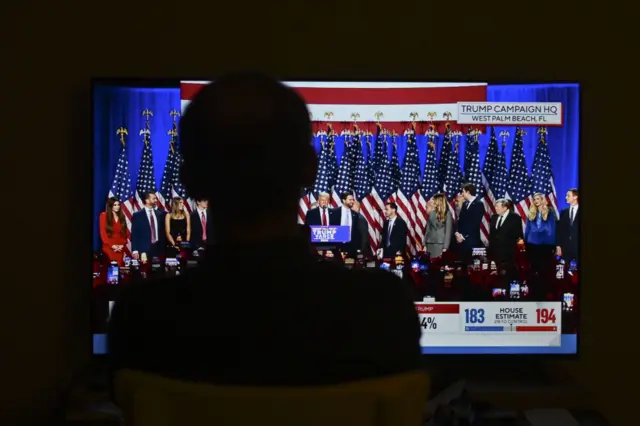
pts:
[177, 224]
[540, 235]
[439, 225]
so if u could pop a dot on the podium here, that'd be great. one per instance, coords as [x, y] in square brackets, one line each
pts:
[330, 237]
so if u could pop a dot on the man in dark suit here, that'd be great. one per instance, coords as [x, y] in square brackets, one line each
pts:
[471, 213]
[394, 232]
[147, 228]
[505, 232]
[322, 215]
[363, 230]
[568, 230]
[201, 226]
[315, 317]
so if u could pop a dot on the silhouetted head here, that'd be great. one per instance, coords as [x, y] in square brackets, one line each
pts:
[247, 133]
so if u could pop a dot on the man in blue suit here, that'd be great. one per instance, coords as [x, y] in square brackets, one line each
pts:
[469, 222]
[147, 228]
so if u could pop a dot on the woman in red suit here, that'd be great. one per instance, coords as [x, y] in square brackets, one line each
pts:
[113, 231]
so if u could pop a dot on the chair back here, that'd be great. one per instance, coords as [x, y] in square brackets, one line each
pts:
[150, 400]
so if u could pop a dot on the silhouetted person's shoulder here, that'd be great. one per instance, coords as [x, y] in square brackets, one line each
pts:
[261, 309]
[280, 319]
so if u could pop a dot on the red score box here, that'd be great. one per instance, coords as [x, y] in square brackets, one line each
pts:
[427, 308]
[534, 328]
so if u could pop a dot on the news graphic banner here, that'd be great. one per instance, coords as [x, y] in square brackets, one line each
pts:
[485, 324]
[511, 113]
[330, 234]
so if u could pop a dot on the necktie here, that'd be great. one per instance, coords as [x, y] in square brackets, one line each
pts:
[389, 233]
[152, 223]
[571, 210]
[500, 222]
[324, 217]
[204, 227]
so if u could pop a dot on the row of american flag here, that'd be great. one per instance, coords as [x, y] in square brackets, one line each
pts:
[370, 169]
[121, 187]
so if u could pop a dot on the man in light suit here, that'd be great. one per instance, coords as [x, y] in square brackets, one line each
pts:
[147, 228]
[471, 213]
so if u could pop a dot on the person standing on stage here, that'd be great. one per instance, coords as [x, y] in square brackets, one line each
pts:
[540, 236]
[201, 226]
[394, 232]
[319, 323]
[437, 235]
[459, 202]
[505, 230]
[363, 230]
[322, 215]
[349, 218]
[177, 225]
[568, 231]
[147, 228]
[113, 231]
[469, 222]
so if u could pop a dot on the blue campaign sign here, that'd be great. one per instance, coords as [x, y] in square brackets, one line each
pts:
[330, 234]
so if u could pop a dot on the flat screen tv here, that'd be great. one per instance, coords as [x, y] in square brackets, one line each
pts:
[485, 178]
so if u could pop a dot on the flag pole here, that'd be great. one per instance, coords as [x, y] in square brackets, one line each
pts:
[174, 131]
[146, 132]
[122, 132]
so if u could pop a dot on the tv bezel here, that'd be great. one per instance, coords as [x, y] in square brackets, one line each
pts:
[447, 359]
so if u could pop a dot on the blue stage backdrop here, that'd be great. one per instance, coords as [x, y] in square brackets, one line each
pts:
[116, 107]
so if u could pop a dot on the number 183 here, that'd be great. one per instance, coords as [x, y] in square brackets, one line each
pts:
[474, 316]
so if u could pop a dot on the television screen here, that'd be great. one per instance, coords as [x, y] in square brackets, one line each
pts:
[468, 191]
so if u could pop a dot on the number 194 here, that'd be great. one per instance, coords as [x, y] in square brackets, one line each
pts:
[544, 316]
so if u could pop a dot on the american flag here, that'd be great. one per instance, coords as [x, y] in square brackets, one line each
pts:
[542, 173]
[430, 181]
[454, 177]
[407, 197]
[396, 173]
[370, 160]
[381, 150]
[390, 104]
[469, 138]
[501, 176]
[493, 180]
[324, 177]
[304, 204]
[429, 186]
[171, 185]
[361, 182]
[395, 100]
[443, 164]
[121, 186]
[489, 167]
[344, 182]
[474, 176]
[519, 185]
[382, 187]
[146, 178]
